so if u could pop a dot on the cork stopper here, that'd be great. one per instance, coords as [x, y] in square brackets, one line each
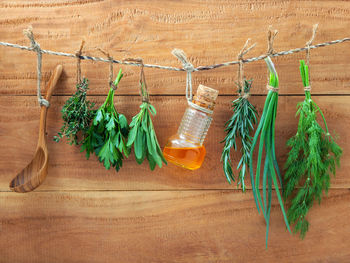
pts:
[205, 97]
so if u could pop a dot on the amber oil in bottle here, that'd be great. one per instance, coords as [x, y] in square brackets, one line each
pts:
[186, 148]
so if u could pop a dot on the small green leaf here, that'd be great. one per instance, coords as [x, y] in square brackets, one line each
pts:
[110, 125]
[138, 144]
[99, 117]
[132, 136]
[152, 109]
[123, 121]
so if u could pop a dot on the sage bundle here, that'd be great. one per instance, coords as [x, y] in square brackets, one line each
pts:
[313, 156]
[108, 133]
[239, 126]
[265, 132]
[77, 113]
[142, 134]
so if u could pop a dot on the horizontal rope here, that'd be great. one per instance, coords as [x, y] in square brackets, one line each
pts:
[200, 68]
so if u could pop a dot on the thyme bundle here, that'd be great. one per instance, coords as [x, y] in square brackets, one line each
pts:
[77, 113]
[142, 134]
[108, 133]
[313, 156]
[239, 126]
[266, 132]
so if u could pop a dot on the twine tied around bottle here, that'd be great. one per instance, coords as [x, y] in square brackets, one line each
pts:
[189, 68]
[308, 44]
[142, 82]
[240, 73]
[36, 47]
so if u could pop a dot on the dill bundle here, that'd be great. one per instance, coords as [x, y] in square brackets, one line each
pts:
[77, 113]
[313, 156]
[240, 125]
[266, 132]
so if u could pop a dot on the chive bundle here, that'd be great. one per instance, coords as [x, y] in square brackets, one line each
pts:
[266, 132]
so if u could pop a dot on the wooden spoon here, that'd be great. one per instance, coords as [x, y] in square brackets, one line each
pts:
[36, 171]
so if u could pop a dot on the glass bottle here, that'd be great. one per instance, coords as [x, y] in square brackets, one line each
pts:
[185, 148]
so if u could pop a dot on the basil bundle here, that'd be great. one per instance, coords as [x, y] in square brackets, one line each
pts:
[108, 133]
[266, 132]
[313, 156]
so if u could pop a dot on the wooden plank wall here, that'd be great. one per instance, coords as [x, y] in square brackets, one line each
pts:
[83, 213]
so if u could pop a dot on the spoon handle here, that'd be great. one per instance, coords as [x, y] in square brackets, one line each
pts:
[49, 90]
[53, 81]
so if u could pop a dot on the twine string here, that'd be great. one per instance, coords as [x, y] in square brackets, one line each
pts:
[78, 56]
[36, 47]
[199, 68]
[273, 89]
[308, 43]
[271, 34]
[189, 68]
[110, 59]
[142, 82]
[307, 88]
[240, 73]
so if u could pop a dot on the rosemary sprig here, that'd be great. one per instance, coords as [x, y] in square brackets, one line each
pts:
[240, 125]
[313, 156]
[266, 132]
[108, 133]
[77, 113]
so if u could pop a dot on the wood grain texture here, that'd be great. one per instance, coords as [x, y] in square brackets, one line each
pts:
[210, 32]
[69, 169]
[83, 213]
[169, 226]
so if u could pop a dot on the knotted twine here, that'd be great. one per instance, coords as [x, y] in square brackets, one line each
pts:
[189, 68]
[110, 78]
[240, 73]
[143, 85]
[36, 47]
[308, 44]
[78, 54]
[270, 51]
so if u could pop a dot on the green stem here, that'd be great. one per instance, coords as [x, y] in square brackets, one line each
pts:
[324, 119]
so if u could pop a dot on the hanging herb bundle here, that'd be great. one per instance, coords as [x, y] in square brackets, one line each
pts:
[77, 113]
[313, 156]
[239, 125]
[142, 134]
[266, 132]
[108, 133]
